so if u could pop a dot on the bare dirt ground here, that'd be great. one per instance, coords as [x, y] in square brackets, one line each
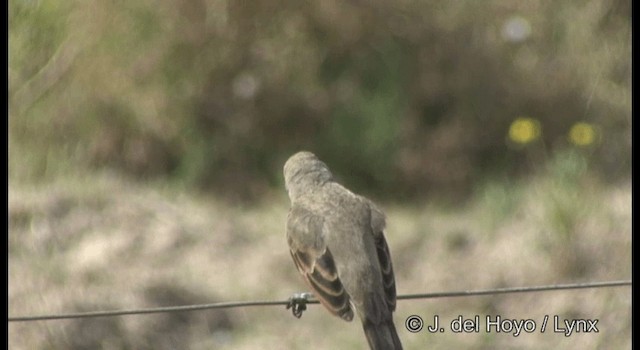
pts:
[105, 243]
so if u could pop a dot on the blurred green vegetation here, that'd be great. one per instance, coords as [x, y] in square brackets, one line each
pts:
[402, 99]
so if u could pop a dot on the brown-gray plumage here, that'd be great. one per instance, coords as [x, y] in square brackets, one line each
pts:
[337, 243]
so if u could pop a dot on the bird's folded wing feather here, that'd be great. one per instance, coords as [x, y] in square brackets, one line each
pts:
[315, 262]
[388, 278]
[378, 223]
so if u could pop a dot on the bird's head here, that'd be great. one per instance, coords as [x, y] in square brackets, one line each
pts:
[303, 172]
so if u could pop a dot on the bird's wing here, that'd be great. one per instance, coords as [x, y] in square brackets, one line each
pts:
[315, 262]
[388, 278]
[384, 257]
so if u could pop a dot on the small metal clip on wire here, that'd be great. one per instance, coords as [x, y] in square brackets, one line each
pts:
[298, 303]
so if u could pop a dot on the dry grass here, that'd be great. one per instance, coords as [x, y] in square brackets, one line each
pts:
[105, 243]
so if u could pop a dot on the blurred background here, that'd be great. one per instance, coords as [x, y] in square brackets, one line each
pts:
[147, 138]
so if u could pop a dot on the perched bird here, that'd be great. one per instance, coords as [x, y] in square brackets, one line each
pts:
[337, 243]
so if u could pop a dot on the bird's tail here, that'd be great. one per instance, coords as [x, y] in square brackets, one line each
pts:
[382, 336]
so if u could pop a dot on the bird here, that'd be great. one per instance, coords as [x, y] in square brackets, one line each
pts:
[336, 239]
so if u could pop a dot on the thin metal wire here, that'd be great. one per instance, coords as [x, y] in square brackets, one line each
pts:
[156, 310]
[517, 290]
[313, 301]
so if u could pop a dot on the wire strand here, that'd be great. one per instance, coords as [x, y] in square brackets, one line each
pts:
[517, 290]
[313, 301]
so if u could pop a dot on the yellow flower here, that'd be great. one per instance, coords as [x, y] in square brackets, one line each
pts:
[524, 130]
[582, 134]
